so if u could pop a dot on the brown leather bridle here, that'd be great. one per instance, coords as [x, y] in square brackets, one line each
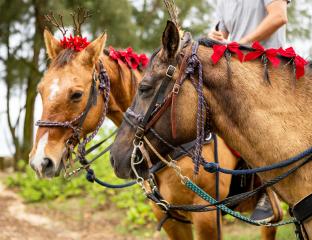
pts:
[76, 123]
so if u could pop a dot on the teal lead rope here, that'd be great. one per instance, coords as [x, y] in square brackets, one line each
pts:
[192, 186]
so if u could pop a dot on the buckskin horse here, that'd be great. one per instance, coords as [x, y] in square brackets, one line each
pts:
[266, 119]
[64, 90]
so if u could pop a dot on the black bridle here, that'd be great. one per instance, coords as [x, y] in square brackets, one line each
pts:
[158, 103]
[76, 123]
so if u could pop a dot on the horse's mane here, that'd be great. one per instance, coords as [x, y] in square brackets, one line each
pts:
[208, 42]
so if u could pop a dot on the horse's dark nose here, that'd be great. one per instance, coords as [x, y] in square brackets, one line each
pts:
[47, 167]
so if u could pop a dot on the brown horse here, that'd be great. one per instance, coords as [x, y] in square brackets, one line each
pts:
[64, 89]
[265, 122]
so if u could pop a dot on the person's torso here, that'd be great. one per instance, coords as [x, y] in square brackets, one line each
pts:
[243, 16]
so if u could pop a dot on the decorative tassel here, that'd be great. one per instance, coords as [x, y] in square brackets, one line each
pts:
[266, 70]
[228, 55]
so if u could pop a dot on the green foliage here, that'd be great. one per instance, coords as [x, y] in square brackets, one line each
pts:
[130, 199]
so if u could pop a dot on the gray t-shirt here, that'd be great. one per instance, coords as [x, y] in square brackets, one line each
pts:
[240, 17]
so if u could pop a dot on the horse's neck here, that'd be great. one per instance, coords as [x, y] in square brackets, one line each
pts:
[123, 85]
[265, 123]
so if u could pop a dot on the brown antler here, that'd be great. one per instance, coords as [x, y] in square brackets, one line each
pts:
[79, 17]
[173, 11]
[58, 23]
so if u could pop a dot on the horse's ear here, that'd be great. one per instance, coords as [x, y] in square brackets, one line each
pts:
[52, 45]
[90, 55]
[170, 40]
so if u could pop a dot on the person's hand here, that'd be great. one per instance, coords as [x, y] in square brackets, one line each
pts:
[216, 35]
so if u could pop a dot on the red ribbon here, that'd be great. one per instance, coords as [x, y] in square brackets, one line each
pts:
[299, 61]
[271, 54]
[219, 50]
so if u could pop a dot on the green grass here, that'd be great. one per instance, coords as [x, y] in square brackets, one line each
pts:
[131, 199]
[137, 216]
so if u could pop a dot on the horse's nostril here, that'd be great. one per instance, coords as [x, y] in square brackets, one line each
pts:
[47, 165]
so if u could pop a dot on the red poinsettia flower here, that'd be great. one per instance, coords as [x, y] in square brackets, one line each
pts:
[135, 61]
[75, 43]
[113, 54]
[128, 57]
[143, 60]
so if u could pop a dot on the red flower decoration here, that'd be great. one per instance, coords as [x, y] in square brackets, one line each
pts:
[128, 57]
[75, 43]
[271, 54]
[143, 60]
[219, 50]
[299, 61]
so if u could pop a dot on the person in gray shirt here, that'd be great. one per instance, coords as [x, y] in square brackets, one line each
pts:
[247, 21]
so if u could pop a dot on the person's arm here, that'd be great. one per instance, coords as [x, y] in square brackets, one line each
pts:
[276, 18]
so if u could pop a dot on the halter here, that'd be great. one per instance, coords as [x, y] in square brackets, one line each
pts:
[76, 123]
[160, 103]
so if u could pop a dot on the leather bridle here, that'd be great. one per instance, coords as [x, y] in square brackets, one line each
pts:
[76, 123]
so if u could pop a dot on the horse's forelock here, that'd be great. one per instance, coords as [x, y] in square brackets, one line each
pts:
[64, 57]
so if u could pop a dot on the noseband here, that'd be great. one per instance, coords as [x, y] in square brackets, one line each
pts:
[76, 123]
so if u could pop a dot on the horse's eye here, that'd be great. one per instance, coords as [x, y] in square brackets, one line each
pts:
[145, 89]
[76, 96]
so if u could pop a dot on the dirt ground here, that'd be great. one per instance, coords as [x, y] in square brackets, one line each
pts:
[19, 221]
[68, 220]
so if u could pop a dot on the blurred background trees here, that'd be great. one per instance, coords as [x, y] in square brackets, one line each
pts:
[136, 23]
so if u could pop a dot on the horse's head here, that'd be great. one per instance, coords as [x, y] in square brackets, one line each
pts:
[64, 90]
[173, 52]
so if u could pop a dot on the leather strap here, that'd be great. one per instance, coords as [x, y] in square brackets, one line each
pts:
[159, 113]
[303, 209]
[158, 99]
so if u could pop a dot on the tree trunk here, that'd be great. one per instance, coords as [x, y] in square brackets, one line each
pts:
[32, 81]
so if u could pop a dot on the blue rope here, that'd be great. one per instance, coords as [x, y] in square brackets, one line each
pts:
[90, 176]
[213, 167]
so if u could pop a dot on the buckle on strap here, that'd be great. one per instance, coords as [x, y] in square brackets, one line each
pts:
[170, 71]
[139, 134]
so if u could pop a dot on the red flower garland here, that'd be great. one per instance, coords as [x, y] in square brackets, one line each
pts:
[271, 54]
[75, 43]
[129, 57]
